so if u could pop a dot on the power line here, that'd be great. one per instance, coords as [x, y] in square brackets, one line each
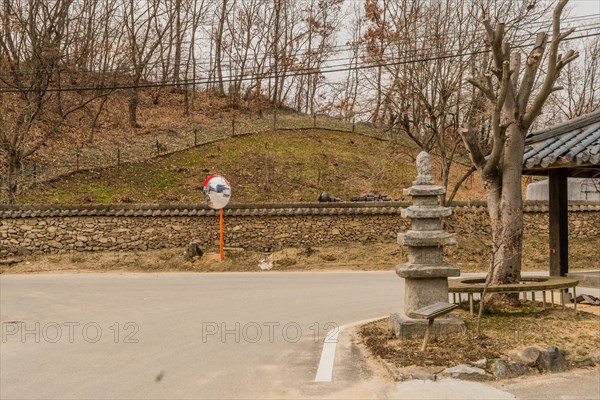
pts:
[336, 49]
[346, 60]
[243, 78]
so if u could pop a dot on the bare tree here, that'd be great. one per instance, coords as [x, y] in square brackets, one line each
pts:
[218, 46]
[347, 94]
[581, 80]
[32, 105]
[197, 11]
[377, 38]
[425, 100]
[145, 29]
[321, 19]
[509, 89]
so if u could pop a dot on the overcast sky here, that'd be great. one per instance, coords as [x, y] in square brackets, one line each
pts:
[585, 7]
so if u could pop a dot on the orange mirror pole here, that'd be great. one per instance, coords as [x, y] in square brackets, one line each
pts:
[221, 241]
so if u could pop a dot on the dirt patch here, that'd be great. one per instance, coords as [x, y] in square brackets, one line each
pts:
[368, 257]
[384, 256]
[502, 332]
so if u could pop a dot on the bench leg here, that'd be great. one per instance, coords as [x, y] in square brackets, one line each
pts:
[471, 303]
[574, 299]
[533, 297]
[427, 333]
[552, 296]
[544, 299]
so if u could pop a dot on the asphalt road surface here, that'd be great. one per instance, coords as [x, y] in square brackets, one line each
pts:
[233, 335]
[229, 335]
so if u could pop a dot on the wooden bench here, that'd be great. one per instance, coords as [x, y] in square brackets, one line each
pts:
[430, 313]
[528, 284]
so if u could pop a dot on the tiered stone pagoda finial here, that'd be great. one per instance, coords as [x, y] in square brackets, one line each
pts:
[426, 274]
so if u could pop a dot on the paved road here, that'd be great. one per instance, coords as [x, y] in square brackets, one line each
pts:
[234, 335]
[178, 321]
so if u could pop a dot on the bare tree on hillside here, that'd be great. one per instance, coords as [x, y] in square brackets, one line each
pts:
[425, 100]
[377, 37]
[223, 13]
[32, 105]
[259, 49]
[581, 80]
[92, 49]
[513, 107]
[242, 31]
[427, 50]
[346, 99]
[197, 11]
[321, 19]
[145, 25]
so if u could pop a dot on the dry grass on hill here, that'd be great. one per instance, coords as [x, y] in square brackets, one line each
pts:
[271, 167]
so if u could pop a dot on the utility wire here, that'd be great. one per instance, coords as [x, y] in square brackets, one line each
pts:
[270, 75]
[336, 49]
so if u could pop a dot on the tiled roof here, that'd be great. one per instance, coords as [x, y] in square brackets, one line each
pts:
[572, 144]
[240, 210]
[190, 210]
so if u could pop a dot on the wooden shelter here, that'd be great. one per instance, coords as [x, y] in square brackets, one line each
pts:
[569, 149]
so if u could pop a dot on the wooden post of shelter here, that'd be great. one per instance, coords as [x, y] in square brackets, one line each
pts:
[559, 222]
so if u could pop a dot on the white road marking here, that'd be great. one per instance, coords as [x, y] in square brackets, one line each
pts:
[325, 370]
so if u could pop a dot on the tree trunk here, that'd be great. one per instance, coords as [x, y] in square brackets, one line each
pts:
[513, 112]
[178, 44]
[94, 127]
[218, 49]
[14, 168]
[507, 230]
[186, 102]
[133, 104]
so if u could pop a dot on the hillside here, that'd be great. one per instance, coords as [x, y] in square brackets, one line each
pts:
[280, 166]
[169, 155]
[267, 167]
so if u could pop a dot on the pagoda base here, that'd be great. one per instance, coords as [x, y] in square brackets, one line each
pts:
[405, 328]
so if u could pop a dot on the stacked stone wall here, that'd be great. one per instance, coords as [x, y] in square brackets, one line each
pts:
[26, 230]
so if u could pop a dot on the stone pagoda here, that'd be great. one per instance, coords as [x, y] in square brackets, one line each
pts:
[426, 274]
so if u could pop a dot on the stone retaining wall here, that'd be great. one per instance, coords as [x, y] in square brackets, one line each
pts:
[53, 229]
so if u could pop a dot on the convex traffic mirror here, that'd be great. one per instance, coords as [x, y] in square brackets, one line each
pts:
[217, 191]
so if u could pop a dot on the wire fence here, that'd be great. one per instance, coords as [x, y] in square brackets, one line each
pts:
[164, 142]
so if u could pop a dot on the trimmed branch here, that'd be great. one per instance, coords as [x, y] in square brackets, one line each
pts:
[555, 64]
[571, 55]
[515, 68]
[495, 38]
[497, 127]
[564, 35]
[472, 144]
[531, 68]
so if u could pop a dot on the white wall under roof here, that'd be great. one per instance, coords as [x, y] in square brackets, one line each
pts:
[579, 189]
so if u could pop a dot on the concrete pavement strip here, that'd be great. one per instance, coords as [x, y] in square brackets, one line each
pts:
[577, 384]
